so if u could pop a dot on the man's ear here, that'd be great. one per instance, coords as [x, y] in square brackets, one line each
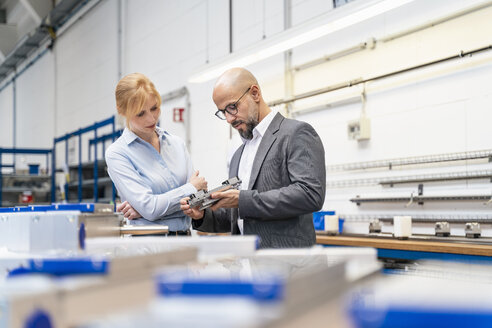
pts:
[255, 93]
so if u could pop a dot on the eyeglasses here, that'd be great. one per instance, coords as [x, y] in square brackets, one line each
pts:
[231, 108]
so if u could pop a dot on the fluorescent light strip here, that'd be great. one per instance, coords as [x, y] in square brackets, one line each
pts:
[287, 42]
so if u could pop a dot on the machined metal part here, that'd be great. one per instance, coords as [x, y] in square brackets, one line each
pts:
[144, 230]
[113, 225]
[473, 230]
[68, 230]
[203, 198]
[100, 225]
[375, 226]
[443, 229]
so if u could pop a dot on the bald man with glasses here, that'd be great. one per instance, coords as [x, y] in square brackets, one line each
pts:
[281, 164]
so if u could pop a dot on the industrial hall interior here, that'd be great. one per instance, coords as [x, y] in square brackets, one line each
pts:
[245, 163]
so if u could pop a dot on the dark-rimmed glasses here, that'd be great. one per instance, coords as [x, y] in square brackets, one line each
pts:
[231, 108]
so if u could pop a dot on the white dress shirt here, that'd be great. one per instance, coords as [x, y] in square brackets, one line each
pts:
[249, 154]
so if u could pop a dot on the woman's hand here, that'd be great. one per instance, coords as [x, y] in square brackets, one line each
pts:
[128, 211]
[194, 212]
[198, 182]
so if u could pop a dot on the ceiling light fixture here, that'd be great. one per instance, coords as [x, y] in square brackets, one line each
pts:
[338, 19]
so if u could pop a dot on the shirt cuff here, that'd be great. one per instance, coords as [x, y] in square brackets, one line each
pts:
[189, 189]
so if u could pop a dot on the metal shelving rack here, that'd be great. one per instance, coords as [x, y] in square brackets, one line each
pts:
[421, 199]
[420, 218]
[16, 151]
[429, 159]
[450, 159]
[439, 177]
[468, 175]
[96, 166]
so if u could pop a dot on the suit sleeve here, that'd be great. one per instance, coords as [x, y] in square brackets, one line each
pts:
[307, 174]
[214, 221]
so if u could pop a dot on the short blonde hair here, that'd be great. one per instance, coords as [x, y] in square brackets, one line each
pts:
[131, 94]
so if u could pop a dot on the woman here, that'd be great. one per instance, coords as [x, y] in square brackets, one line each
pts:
[150, 168]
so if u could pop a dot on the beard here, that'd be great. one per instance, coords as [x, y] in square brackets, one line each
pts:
[251, 123]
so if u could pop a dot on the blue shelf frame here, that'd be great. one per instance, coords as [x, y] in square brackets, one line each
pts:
[78, 133]
[102, 139]
[407, 255]
[16, 151]
[397, 254]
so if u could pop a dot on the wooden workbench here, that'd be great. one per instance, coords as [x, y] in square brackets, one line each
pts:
[407, 245]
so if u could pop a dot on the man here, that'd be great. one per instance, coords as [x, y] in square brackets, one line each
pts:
[281, 164]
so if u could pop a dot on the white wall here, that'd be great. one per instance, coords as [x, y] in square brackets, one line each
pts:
[86, 69]
[444, 108]
[6, 118]
[430, 111]
[35, 111]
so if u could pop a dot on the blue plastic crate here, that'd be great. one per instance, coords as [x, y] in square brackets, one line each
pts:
[82, 207]
[319, 220]
[64, 266]
[182, 283]
[33, 169]
[364, 316]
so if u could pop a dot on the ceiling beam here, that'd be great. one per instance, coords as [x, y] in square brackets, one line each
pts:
[8, 38]
[37, 9]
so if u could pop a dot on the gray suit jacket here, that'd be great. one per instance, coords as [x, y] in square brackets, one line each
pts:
[287, 184]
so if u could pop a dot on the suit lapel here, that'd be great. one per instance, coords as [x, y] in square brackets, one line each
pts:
[233, 172]
[265, 144]
[234, 165]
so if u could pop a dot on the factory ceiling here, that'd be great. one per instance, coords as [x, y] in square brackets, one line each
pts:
[28, 25]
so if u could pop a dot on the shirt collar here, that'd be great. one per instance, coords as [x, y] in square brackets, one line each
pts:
[261, 128]
[129, 136]
[161, 133]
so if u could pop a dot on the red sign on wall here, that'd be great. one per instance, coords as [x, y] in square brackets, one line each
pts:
[178, 114]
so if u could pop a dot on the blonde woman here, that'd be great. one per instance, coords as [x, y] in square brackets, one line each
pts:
[150, 168]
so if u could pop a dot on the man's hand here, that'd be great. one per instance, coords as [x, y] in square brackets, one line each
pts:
[128, 211]
[194, 212]
[228, 199]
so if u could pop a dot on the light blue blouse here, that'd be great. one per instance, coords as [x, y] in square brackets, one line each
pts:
[152, 183]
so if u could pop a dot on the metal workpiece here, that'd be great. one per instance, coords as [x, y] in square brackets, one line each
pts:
[102, 208]
[472, 230]
[144, 230]
[203, 198]
[96, 283]
[442, 229]
[100, 225]
[375, 226]
[114, 225]
[65, 230]
[27, 232]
